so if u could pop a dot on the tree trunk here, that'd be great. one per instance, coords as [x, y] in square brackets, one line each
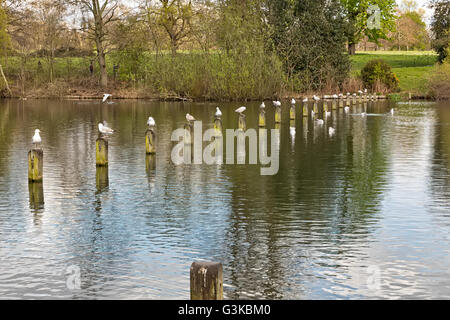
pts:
[103, 73]
[351, 49]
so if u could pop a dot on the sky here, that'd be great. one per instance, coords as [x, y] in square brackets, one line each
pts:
[423, 4]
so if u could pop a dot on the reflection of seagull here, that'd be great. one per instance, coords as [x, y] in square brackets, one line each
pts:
[347, 109]
[151, 122]
[363, 114]
[262, 106]
[292, 131]
[277, 103]
[240, 110]
[312, 113]
[327, 113]
[293, 101]
[189, 117]
[218, 112]
[106, 96]
[319, 122]
[104, 129]
[36, 138]
[331, 131]
[392, 111]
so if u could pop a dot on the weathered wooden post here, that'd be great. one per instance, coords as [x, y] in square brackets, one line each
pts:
[334, 105]
[188, 134]
[277, 114]
[305, 109]
[262, 118]
[35, 165]
[101, 178]
[341, 102]
[101, 151]
[315, 108]
[292, 112]
[218, 127]
[206, 281]
[241, 123]
[325, 107]
[150, 140]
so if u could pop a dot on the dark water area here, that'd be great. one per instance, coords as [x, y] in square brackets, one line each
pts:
[364, 213]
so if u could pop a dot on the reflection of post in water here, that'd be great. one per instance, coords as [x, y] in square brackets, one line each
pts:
[242, 125]
[101, 178]
[305, 128]
[334, 105]
[292, 131]
[101, 151]
[341, 102]
[188, 143]
[36, 192]
[150, 141]
[150, 163]
[315, 108]
[240, 147]
[218, 127]
[325, 107]
[277, 114]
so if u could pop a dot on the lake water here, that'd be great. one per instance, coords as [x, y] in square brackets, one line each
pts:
[361, 214]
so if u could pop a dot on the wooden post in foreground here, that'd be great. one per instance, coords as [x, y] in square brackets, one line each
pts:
[242, 125]
[150, 141]
[292, 112]
[218, 127]
[206, 281]
[101, 151]
[277, 115]
[262, 118]
[35, 165]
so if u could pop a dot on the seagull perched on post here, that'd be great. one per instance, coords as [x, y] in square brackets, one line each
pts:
[218, 112]
[335, 96]
[262, 105]
[102, 128]
[36, 138]
[151, 122]
[316, 98]
[277, 103]
[293, 101]
[189, 118]
[305, 100]
[240, 110]
[106, 96]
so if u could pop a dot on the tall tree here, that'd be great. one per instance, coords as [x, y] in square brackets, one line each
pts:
[440, 26]
[103, 13]
[372, 18]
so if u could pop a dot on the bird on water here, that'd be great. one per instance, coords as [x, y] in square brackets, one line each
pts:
[106, 96]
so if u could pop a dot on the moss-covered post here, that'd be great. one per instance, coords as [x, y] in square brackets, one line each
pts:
[277, 114]
[35, 165]
[150, 162]
[150, 141]
[206, 281]
[325, 107]
[242, 125]
[334, 105]
[101, 151]
[305, 109]
[101, 178]
[36, 193]
[262, 118]
[341, 103]
[218, 127]
[292, 112]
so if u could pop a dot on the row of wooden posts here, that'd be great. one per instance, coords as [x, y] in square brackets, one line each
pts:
[36, 155]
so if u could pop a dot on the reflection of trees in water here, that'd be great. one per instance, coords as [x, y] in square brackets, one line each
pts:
[440, 173]
[324, 194]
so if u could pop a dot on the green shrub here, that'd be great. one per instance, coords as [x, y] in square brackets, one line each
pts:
[378, 75]
[440, 81]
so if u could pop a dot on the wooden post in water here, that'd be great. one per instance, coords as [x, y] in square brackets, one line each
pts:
[150, 141]
[241, 124]
[150, 162]
[36, 193]
[292, 112]
[35, 165]
[341, 102]
[188, 134]
[277, 115]
[315, 108]
[325, 107]
[305, 109]
[334, 105]
[218, 127]
[262, 118]
[206, 281]
[101, 178]
[101, 151]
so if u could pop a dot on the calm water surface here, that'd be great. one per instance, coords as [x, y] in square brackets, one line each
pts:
[362, 214]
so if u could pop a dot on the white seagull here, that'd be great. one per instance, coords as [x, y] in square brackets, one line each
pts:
[218, 112]
[335, 96]
[151, 122]
[189, 118]
[305, 100]
[293, 101]
[316, 98]
[262, 105]
[240, 110]
[319, 121]
[347, 109]
[331, 131]
[106, 96]
[36, 138]
[104, 129]
[277, 103]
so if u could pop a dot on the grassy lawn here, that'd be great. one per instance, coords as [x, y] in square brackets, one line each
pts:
[412, 68]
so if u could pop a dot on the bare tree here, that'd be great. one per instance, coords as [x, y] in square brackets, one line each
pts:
[103, 13]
